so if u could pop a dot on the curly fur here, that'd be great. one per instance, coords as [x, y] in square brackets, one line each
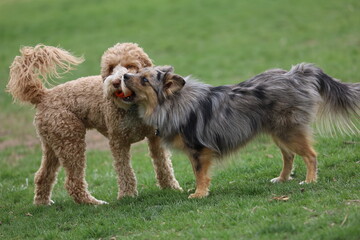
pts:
[64, 112]
[126, 55]
[29, 70]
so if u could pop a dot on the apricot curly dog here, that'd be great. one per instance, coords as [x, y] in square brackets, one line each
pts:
[64, 112]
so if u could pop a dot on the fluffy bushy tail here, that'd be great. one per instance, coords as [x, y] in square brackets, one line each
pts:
[33, 67]
[340, 108]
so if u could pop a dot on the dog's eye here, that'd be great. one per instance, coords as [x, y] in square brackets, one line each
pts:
[144, 80]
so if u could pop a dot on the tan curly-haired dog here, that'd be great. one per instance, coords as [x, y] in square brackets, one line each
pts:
[64, 112]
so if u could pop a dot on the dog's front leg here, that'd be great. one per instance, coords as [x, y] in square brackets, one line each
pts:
[162, 164]
[126, 176]
[201, 162]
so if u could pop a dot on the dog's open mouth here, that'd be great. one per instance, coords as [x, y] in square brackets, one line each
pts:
[124, 93]
[128, 97]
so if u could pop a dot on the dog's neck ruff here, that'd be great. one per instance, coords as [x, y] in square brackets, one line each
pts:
[168, 117]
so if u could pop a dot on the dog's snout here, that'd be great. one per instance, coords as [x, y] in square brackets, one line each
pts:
[116, 83]
[126, 76]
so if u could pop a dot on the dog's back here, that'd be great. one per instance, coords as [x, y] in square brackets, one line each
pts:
[276, 102]
[82, 97]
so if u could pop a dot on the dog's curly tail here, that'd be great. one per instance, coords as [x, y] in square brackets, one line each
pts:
[340, 105]
[33, 67]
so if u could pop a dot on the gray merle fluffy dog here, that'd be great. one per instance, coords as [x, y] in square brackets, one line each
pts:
[209, 122]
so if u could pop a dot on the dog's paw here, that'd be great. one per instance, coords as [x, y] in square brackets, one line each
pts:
[279, 180]
[307, 182]
[198, 195]
[176, 186]
[44, 202]
[95, 201]
[127, 194]
[91, 201]
[101, 202]
[178, 189]
[170, 185]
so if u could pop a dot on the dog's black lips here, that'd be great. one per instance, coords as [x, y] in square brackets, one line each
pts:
[129, 98]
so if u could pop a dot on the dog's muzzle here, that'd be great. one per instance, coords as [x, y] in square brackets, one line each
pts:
[116, 83]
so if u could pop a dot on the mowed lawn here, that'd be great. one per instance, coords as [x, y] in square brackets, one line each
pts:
[219, 42]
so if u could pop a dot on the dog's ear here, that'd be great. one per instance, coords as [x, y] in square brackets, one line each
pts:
[172, 83]
[165, 68]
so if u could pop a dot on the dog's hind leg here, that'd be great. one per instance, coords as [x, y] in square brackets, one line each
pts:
[162, 164]
[201, 163]
[299, 141]
[72, 158]
[288, 159]
[45, 177]
[65, 133]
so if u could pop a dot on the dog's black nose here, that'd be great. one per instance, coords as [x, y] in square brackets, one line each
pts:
[116, 83]
[126, 76]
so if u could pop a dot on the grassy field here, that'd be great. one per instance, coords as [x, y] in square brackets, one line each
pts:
[220, 42]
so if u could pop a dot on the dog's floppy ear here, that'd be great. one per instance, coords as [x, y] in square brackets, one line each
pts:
[172, 83]
[165, 68]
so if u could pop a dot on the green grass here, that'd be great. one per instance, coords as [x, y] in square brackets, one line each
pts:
[220, 42]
